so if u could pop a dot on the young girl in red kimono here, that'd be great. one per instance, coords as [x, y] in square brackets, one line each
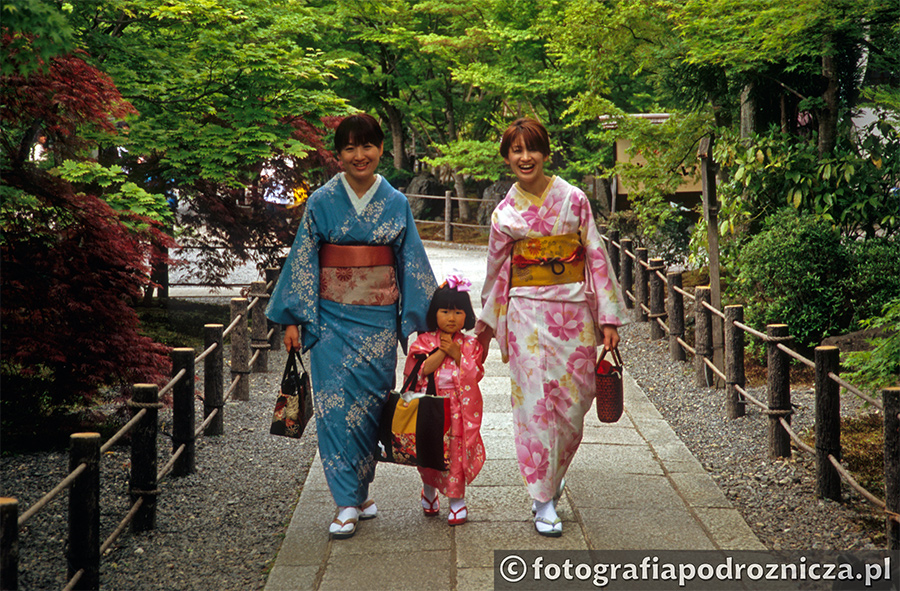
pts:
[456, 361]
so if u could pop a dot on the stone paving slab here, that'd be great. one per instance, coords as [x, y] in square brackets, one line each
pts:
[633, 485]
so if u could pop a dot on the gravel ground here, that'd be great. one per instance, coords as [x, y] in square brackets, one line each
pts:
[776, 497]
[221, 527]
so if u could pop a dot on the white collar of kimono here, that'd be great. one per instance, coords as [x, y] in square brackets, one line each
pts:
[360, 203]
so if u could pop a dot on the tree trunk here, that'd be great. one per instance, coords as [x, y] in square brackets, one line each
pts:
[828, 116]
[398, 135]
[460, 186]
[748, 111]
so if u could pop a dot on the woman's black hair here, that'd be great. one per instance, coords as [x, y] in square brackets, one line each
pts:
[358, 129]
[449, 298]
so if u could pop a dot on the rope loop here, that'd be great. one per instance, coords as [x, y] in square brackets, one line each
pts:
[134, 404]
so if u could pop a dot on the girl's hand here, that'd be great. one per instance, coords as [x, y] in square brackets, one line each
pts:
[291, 338]
[610, 336]
[450, 348]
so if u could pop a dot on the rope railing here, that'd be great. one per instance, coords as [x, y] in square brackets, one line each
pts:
[850, 388]
[84, 573]
[713, 368]
[173, 382]
[796, 438]
[206, 352]
[74, 580]
[232, 326]
[123, 431]
[107, 544]
[752, 399]
[448, 199]
[797, 356]
[852, 482]
[687, 347]
[233, 386]
[42, 502]
[650, 278]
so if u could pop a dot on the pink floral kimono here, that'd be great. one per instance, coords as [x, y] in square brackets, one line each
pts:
[460, 383]
[548, 333]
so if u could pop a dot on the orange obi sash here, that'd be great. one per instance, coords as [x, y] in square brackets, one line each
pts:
[549, 260]
[359, 275]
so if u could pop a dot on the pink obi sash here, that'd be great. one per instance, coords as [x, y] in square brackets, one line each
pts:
[358, 275]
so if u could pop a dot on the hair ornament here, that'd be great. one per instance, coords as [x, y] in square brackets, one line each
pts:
[458, 283]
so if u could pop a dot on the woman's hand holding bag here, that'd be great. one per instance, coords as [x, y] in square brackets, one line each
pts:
[610, 390]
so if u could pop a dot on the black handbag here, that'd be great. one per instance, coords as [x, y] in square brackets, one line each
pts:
[415, 428]
[293, 407]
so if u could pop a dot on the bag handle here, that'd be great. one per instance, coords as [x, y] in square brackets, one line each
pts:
[413, 377]
[290, 368]
[616, 357]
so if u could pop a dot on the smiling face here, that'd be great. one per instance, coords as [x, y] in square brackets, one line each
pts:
[360, 162]
[528, 166]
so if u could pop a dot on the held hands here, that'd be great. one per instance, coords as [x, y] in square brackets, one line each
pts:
[484, 337]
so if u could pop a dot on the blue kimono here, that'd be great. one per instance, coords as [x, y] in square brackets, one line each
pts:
[353, 342]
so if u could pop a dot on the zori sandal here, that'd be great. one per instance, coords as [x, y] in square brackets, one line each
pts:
[368, 510]
[459, 515]
[547, 527]
[431, 506]
[344, 524]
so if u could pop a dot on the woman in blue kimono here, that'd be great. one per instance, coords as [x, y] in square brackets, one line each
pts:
[356, 282]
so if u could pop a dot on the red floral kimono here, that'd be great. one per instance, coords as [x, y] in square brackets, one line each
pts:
[460, 384]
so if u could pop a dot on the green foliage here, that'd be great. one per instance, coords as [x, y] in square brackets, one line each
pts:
[854, 188]
[479, 159]
[662, 156]
[38, 31]
[112, 185]
[880, 367]
[794, 272]
[216, 83]
[876, 275]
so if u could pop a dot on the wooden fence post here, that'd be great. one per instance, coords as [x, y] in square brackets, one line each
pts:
[891, 400]
[272, 275]
[627, 272]
[734, 362]
[448, 214]
[214, 379]
[259, 328]
[9, 543]
[143, 456]
[703, 375]
[612, 249]
[828, 423]
[657, 300]
[779, 386]
[84, 511]
[183, 412]
[675, 303]
[640, 288]
[240, 350]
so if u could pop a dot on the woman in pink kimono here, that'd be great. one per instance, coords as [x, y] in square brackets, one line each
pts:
[455, 359]
[550, 299]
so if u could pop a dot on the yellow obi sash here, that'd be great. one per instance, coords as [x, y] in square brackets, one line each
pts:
[549, 260]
